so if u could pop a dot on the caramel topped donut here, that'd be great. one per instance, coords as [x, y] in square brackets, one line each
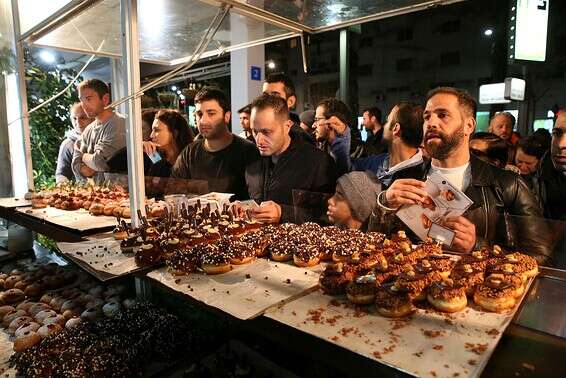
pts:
[335, 277]
[443, 264]
[523, 264]
[361, 290]
[412, 282]
[429, 247]
[477, 259]
[496, 294]
[447, 296]
[393, 301]
[467, 276]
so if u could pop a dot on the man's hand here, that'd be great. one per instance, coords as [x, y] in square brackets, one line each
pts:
[335, 124]
[465, 238]
[149, 147]
[405, 192]
[86, 171]
[268, 212]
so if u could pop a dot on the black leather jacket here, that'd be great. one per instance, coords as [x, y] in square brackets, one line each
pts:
[504, 211]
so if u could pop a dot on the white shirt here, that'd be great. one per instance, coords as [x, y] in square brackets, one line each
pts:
[460, 177]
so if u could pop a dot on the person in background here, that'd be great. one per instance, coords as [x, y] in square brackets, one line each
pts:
[307, 121]
[281, 85]
[148, 115]
[372, 123]
[504, 210]
[218, 156]
[402, 134]
[353, 201]
[502, 124]
[544, 137]
[529, 152]
[490, 148]
[331, 113]
[244, 114]
[170, 134]
[79, 120]
[286, 163]
[550, 178]
[102, 138]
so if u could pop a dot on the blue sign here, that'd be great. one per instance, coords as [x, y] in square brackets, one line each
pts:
[256, 73]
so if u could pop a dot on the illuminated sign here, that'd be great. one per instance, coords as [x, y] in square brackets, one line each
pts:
[514, 89]
[502, 93]
[528, 30]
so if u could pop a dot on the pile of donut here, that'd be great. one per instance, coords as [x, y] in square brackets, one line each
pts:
[397, 275]
[110, 200]
[122, 346]
[40, 300]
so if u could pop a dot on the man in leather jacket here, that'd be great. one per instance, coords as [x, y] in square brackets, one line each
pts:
[504, 211]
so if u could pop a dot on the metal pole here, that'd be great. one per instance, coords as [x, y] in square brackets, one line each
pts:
[344, 67]
[131, 64]
[20, 63]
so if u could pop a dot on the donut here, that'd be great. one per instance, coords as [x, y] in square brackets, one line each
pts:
[447, 296]
[413, 283]
[119, 233]
[256, 241]
[49, 329]
[495, 294]
[477, 259]
[307, 258]
[509, 273]
[111, 309]
[466, 276]
[215, 262]
[525, 265]
[26, 340]
[11, 281]
[282, 251]
[68, 305]
[108, 209]
[72, 322]
[42, 315]
[10, 316]
[6, 309]
[56, 303]
[170, 246]
[34, 290]
[71, 313]
[361, 290]
[148, 255]
[238, 251]
[90, 314]
[29, 326]
[393, 302]
[22, 284]
[335, 278]
[56, 319]
[18, 322]
[46, 298]
[37, 308]
[126, 213]
[96, 208]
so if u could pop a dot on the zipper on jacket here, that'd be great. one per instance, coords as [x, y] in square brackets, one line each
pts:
[486, 211]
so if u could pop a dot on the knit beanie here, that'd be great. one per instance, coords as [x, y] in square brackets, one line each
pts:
[360, 190]
[307, 117]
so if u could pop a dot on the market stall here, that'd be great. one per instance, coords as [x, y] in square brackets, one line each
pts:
[279, 302]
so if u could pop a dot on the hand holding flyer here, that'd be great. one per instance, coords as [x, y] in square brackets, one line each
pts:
[444, 201]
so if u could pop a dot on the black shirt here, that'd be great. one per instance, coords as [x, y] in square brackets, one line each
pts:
[160, 169]
[224, 169]
[302, 166]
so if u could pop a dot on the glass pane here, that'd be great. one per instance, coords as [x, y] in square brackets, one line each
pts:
[321, 13]
[169, 30]
[32, 12]
[96, 26]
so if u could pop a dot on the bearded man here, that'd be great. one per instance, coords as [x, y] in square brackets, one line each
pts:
[504, 211]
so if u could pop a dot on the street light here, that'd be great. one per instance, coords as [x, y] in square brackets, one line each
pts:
[271, 65]
[174, 88]
[488, 32]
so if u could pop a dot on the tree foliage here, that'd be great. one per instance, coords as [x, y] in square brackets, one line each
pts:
[48, 124]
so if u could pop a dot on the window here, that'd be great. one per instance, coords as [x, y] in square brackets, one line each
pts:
[450, 58]
[405, 64]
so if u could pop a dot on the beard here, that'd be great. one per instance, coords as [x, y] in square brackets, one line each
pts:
[447, 144]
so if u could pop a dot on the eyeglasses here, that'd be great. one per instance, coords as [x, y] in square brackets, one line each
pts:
[319, 119]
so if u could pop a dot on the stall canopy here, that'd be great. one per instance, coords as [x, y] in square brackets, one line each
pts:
[169, 30]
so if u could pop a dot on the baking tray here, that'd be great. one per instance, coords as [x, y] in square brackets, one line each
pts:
[429, 343]
[246, 291]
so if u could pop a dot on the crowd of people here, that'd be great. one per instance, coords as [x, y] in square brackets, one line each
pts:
[513, 181]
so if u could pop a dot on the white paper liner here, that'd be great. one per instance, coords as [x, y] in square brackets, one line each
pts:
[242, 297]
[401, 344]
[92, 253]
[80, 220]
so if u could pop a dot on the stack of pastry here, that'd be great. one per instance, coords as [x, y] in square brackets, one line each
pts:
[396, 275]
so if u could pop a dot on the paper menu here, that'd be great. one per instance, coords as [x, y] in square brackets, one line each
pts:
[445, 201]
